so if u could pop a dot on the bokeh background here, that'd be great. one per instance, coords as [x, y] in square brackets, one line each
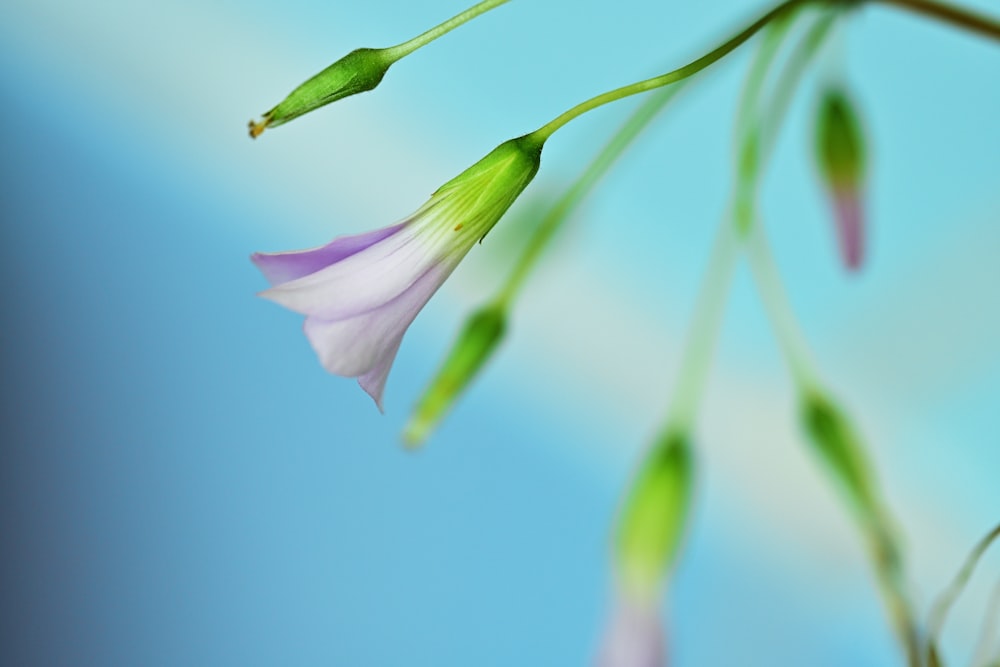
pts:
[182, 484]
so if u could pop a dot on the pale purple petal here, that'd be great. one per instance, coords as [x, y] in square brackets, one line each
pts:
[373, 382]
[360, 282]
[366, 344]
[850, 227]
[281, 267]
[634, 639]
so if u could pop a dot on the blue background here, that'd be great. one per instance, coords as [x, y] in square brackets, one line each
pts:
[182, 484]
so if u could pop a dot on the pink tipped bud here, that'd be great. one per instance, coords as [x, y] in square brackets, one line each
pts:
[840, 154]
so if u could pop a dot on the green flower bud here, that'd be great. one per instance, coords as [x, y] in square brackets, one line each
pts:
[357, 72]
[482, 333]
[652, 522]
[840, 154]
[834, 439]
[840, 141]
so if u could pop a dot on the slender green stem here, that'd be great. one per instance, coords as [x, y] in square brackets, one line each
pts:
[703, 331]
[946, 13]
[747, 111]
[409, 46]
[555, 217]
[788, 82]
[760, 127]
[719, 52]
[772, 293]
[987, 635]
[707, 319]
[957, 16]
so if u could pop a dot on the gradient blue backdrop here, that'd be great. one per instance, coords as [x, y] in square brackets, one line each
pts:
[181, 484]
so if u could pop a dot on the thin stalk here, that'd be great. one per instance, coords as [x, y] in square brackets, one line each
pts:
[772, 293]
[956, 16]
[555, 217]
[703, 331]
[719, 52]
[711, 301]
[758, 139]
[987, 636]
[409, 46]
[746, 111]
[939, 612]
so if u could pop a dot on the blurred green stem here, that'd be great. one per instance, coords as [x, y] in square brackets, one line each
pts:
[701, 336]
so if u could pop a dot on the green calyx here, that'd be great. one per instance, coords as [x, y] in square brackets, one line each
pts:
[652, 523]
[359, 71]
[840, 142]
[476, 343]
[481, 194]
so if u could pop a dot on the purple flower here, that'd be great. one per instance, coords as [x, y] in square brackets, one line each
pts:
[360, 293]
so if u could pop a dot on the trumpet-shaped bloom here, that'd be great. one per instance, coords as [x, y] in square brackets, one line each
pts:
[360, 293]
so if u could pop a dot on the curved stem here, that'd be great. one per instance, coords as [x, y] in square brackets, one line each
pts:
[409, 46]
[678, 74]
[956, 16]
[553, 220]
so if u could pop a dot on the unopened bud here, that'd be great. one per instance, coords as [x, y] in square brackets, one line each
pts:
[357, 72]
[841, 156]
[654, 516]
[834, 439]
[482, 333]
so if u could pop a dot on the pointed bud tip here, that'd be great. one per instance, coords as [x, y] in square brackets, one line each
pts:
[415, 433]
[257, 128]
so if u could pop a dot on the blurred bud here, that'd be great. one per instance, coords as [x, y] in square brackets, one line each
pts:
[840, 152]
[482, 333]
[635, 636]
[357, 72]
[652, 522]
[834, 439]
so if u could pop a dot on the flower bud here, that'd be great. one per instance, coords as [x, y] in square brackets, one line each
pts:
[840, 153]
[652, 523]
[482, 333]
[357, 72]
[835, 440]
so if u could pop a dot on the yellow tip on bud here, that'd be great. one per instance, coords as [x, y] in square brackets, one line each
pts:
[257, 128]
